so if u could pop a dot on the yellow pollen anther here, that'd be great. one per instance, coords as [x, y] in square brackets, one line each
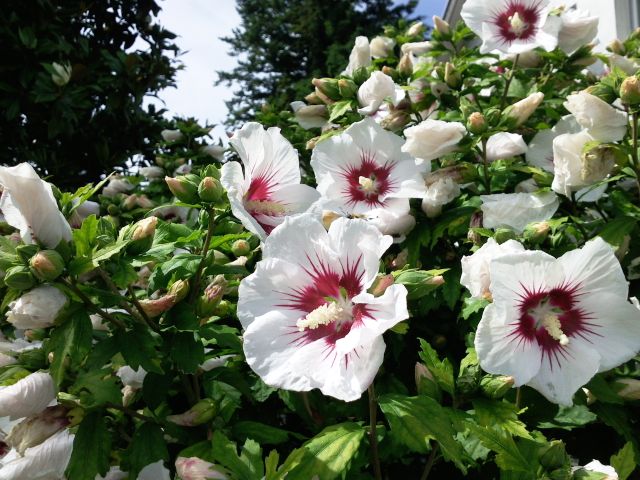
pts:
[518, 25]
[265, 207]
[324, 315]
[368, 184]
[552, 325]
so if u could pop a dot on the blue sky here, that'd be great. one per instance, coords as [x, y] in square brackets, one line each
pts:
[199, 24]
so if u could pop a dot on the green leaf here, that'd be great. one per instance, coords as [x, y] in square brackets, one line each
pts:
[155, 388]
[260, 432]
[187, 351]
[338, 109]
[569, 418]
[624, 461]
[617, 229]
[91, 449]
[326, 455]
[500, 414]
[473, 305]
[70, 342]
[500, 441]
[417, 420]
[224, 451]
[138, 348]
[147, 446]
[442, 371]
[97, 387]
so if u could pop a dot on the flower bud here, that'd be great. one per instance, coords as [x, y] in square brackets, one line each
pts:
[211, 297]
[210, 190]
[145, 228]
[47, 265]
[630, 91]
[313, 99]
[496, 386]
[382, 47]
[19, 278]
[504, 234]
[179, 290]
[240, 247]
[380, 284]
[441, 26]
[184, 187]
[493, 116]
[617, 47]
[36, 429]
[628, 388]
[194, 468]
[522, 110]
[202, 412]
[389, 71]
[417, 29]
[395, 120]
[476, 123]
[452, 76]
[597, 161]
[418, 282]
[401, 259]
[537, 232]
[310, 116]
[347, 88]
[157, 306]
[61, 74]
[554, 455]
[405, 65]
[328, 87]
[171, 135]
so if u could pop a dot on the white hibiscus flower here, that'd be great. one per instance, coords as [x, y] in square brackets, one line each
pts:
[517, 210]
[363, 173]
[28, 204]
[555, 323]
[269, 189]
[309, 321]
[512, 26]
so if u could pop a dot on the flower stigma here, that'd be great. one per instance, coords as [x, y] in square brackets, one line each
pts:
[368, 184]
[339, 312]
[518, 25]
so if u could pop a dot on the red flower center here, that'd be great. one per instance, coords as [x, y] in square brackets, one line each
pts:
[518, 21]
[328, 292]
[258, 202]
[367, 181]
[551, 318]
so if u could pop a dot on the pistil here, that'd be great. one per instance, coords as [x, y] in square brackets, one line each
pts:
[518, 25]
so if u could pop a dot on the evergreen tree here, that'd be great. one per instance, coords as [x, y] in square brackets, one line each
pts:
[282, 44]
[74, 75]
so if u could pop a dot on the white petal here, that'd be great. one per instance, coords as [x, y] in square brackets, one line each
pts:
[517, 210]
[560, 376]
[154, 471]
[27, 396]
[602, 121]
[505, 145]
[500, 352]
[46, 461]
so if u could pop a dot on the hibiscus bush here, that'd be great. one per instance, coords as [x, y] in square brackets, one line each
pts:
[426, 269]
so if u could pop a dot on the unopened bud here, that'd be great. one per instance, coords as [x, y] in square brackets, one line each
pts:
[441, 26]
[520, 111]
[210, 190]
[401, 259]
[417, 29]
[171, 135]
[537, 232]
[418, 282]
[405, 65]
[47, 265]
[328, 87]
[34, 430]
[554, 455]
[628, 388]
[145, 228]
[347, 88]
[504, 234]
[496, 386]
[313, 99]
[389, 71]
[157, 306]
[194, 468]
[212, 296]
[19, 278]
[179, 289]
[476, 123]
[452, 76]
[630, 91]
[617, 47]
[61, 74]
[240, 247]
[395, 120]
[311, 144]
[380, 284]
[184, 187]
[200, 413]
